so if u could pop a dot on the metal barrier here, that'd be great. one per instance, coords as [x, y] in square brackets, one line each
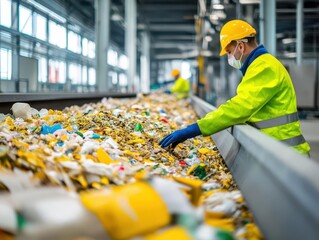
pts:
[280, 186]
[55, 100]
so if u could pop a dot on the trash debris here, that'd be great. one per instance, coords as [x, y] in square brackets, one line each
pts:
[115, 142]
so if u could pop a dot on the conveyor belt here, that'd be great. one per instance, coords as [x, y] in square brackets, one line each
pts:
[281, 186]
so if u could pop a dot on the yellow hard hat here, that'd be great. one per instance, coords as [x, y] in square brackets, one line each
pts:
[175, 72]
[234, 30]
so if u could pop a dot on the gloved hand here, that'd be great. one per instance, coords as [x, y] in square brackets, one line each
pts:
[168, 91]
[180, 136]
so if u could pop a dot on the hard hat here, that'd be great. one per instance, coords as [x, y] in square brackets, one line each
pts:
[175, 72]
[234, 30]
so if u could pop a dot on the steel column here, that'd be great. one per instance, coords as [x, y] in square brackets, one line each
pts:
[130, 41]
[102, 38]
[299, 37]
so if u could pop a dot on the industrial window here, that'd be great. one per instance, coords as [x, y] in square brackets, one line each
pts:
[57, 73]
[85, 46]
[43, 72]
[25, 20]
[168, 66]
[74, 42]
[91, 49]
[122, 80]
[40, 27]
[113, 77]
[123, 62]
[5, 38]
[46, 11]
[5, 64]
[26, 47]
[57, 34]
[92, 78]
[84, 75]
[186, 70]
[5, 13]
[75, 73]
[112, 57]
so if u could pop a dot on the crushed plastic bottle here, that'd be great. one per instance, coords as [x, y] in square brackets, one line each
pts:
[21, 110]
[50, 129]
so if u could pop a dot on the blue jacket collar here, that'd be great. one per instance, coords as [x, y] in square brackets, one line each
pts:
[252, 56]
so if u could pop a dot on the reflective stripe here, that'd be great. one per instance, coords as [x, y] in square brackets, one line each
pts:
[273, 122]
[294, 141]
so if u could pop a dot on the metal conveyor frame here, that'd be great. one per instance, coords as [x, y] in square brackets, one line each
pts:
[280, 186]
[55, 100]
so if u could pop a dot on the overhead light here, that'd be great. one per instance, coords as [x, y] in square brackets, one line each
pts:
[116, 17]
[208, 38]
[288, 40]
[290, 54]
[218, 6]
[249, 1]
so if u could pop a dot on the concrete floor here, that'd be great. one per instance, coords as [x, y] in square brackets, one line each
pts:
[310, 130]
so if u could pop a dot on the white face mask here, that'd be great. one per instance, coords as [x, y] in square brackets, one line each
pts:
[232, 61]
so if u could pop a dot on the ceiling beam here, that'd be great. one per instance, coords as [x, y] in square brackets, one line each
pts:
[305, 10]
[175, 37]
[176, 18]
[180, 45]
[172, 27]
[184, 55]
[168, 7]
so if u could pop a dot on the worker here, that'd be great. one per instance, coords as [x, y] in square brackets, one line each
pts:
[265, 96]
[181, 86]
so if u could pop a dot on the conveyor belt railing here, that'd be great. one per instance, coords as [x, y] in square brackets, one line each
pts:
[54, 100]
[280, 186]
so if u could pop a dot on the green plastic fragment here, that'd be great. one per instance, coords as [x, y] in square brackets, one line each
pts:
[79, 133]
[138, 127]
[164, 172]
[200, 171]
[21, 221]
[224, 235]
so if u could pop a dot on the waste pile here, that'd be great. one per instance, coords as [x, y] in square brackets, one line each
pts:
[107, 147]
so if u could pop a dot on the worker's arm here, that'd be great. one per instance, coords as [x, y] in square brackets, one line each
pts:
[253, 93]
[168, 82]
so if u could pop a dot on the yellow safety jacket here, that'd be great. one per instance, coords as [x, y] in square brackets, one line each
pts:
[266, 100]
[181, 88]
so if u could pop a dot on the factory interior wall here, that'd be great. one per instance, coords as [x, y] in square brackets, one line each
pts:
[28, 69]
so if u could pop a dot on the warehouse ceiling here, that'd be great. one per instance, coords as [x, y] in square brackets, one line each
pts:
[171, 24]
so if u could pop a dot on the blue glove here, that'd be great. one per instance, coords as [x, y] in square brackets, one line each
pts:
[180, 136]
[168, 92]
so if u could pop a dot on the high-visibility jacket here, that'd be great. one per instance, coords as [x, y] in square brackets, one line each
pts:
[265, 99]
[181, 88]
